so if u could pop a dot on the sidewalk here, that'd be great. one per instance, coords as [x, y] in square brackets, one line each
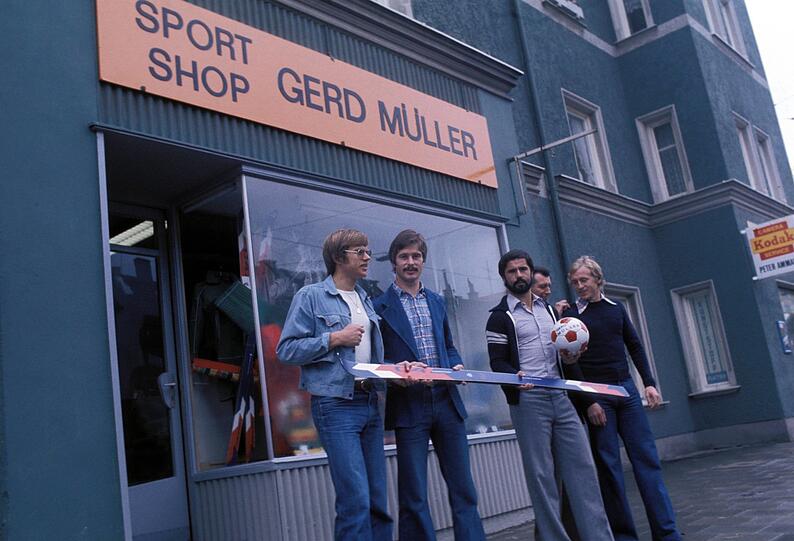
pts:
[744, 493]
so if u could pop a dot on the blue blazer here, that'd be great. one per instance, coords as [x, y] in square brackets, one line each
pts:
[404, 405]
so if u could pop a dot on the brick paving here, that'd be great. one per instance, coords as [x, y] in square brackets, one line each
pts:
[742, 493]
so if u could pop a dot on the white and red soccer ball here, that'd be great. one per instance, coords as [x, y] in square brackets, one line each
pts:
[571, 335]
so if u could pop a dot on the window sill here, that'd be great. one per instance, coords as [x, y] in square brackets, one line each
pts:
[662, 405]
[568, 8]
[716, 392]
[639, 34]
[732, 51]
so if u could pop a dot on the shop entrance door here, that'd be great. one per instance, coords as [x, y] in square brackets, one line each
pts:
[147, 370]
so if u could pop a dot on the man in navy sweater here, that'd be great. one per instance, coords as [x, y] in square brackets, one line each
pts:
[611, 334]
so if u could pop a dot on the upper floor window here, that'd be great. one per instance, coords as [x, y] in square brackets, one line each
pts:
[722, 19]
[703, 338]
[630, 16]
[665, 157]
[766, 164]
[758, 158]
[591, 152]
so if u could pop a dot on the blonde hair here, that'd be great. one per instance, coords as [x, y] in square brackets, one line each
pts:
[337, 242]
[592, 265]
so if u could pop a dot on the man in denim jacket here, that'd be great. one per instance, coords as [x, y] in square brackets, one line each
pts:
[330, 322]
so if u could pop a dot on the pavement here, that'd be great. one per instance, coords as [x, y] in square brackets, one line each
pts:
[741, 493]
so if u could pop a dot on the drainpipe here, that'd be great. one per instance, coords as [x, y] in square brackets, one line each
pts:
[551, 184]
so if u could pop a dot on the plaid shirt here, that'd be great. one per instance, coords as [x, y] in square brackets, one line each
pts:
[418, 313]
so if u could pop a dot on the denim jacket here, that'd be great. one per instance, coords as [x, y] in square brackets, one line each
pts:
[316, 311]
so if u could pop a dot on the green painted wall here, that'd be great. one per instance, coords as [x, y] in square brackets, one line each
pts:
[59, 468]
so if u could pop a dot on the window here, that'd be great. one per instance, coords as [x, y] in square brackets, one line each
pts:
[767, 171]
[288, 225]
[630, 16]
[703, 337]
[758, 160]
[630, 298]
[721, 15]
[665, 158]
[786, 333]
[593, 163]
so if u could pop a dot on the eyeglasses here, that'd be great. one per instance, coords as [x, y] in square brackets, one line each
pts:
[360, 252]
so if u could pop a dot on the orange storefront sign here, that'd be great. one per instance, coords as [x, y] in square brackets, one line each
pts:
[180, 51]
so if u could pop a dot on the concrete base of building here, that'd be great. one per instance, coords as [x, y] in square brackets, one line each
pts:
[681, 445]
[496, 523]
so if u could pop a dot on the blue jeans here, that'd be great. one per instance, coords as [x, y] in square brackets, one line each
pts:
[626, 417]
[442, 424]
[351, 432]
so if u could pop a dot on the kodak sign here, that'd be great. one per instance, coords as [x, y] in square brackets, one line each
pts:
[185, 53]
[772, 246]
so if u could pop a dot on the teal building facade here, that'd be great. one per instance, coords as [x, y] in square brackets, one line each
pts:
[147, 239]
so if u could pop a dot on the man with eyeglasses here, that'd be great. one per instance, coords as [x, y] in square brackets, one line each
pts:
[416, 333]
[328, 323]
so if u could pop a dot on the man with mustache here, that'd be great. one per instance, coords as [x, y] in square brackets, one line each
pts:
[329, 323]
[416, 332]
[549, 433]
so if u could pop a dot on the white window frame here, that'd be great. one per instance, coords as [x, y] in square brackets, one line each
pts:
[690, 342]
[632, 300]
[598, 149]
[759, 159]
[768, 173]
[620, 19]
[724, 24]
[748, 151]
[650, 151]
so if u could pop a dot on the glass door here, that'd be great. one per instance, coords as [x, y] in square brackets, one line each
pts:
[149, 390]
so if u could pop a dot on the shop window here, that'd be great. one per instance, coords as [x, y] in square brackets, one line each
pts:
[227, 413]
[288, 225]
[591, 151]
[721, 15]
[630, 298]
[703, 337]
[665, 157]
[630, 16]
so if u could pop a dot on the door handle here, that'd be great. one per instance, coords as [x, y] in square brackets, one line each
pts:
[167, 386]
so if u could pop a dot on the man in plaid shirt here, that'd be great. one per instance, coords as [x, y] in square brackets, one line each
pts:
[416, 331]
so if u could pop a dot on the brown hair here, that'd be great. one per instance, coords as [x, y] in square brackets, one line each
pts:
[404, 239]
[337, 242]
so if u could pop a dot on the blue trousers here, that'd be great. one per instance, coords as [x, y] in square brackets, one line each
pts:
[441, 424]
[351, 432]
[626, 418]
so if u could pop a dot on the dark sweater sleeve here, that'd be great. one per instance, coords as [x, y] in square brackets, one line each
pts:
[636, 350]
[498, 348]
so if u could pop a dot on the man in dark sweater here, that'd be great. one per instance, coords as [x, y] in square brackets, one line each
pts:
[611, 334]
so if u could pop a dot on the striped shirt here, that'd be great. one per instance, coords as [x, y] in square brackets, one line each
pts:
[418, 312]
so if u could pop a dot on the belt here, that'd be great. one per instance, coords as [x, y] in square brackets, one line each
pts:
[362, 385]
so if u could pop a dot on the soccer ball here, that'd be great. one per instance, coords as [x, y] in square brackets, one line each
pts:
[570, 334]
